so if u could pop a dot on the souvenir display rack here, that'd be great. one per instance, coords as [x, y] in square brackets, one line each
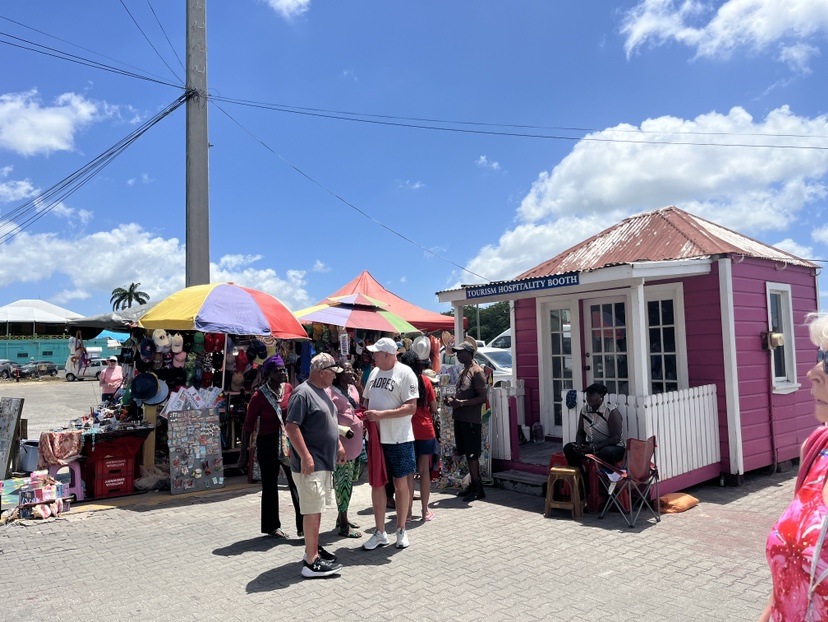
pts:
[194, 439]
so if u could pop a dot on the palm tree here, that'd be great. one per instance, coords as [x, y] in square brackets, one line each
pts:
[123, 298]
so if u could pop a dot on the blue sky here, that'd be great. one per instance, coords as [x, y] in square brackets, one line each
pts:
[559, 119]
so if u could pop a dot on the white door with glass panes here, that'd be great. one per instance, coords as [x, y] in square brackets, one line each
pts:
[606, 353]
[558, 368]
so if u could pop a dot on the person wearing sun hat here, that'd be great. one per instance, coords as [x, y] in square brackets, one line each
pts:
[315, 451]
[110, 379]
[391, 396]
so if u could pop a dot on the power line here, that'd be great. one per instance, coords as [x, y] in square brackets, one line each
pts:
[422, 126]
[154, 49]
[345, 113]
[79, 47]
[161, 26]
[342, 199]
[29, 212]
[48, 51]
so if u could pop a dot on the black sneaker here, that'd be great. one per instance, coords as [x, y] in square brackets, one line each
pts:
[319, 568]
[328, 557]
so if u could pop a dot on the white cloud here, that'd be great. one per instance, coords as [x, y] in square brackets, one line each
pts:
[350, 74]
[144, 179]
[28, 127]
[410, 185]
[754, 25]
[526, 246]
[484, 162]
[95, 264]
[403, 279]
[803, 252]
[820, 234]
[71, 214]
[600, 183]
[797, 56]
[319, 266]
[289, 8]
[14, 190]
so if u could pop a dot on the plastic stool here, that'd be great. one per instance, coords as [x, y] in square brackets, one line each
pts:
[572, 477]
[75, 487]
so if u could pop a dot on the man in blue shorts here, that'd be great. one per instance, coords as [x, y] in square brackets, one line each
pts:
[391, 398]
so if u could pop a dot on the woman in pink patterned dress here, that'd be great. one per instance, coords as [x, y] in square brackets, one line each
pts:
[796, 549]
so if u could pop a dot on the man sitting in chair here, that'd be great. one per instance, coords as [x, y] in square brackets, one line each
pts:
[600, 431]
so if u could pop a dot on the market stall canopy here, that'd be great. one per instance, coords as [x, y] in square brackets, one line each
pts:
[116, 321]
[424, 320]
[367, 317]
[224, 308]
[36, 311]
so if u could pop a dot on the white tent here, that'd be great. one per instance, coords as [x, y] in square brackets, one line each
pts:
[36, 311]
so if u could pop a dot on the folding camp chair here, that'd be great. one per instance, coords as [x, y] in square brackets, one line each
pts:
[630, 486]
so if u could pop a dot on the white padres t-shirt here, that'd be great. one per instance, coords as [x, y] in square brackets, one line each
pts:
[387, 390]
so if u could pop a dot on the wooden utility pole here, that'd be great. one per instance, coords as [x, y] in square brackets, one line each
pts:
[198, 161]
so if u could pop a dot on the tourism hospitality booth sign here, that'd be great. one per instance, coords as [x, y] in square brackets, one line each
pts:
[518, 287]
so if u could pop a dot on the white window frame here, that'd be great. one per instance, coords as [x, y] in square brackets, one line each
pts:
[674, 292]
[789, 384]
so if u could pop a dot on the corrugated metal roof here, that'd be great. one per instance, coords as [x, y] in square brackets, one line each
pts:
[660, 235]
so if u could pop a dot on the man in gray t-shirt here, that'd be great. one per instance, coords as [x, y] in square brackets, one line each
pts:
[311, 426]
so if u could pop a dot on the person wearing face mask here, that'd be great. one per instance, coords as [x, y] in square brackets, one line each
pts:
[796, 550]
[266, 413]
[600, 431]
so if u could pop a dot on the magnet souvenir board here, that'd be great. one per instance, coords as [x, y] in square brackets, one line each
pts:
[10, 409]
[194, 439]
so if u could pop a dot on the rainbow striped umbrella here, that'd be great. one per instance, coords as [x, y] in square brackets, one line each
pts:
[356, 316]
[224, 308]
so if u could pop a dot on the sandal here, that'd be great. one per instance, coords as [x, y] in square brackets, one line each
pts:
[347, 532]
[278, 534]
[350, 524]
[429, 516]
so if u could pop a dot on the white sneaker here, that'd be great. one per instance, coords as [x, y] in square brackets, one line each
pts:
[402, 539]
[378, 539]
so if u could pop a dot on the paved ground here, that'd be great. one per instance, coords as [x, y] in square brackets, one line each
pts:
[202, 558]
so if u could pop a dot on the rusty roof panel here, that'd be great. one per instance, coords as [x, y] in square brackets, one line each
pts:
[659, 235]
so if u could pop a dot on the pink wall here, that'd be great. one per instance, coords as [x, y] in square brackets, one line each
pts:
[705, 353]
[793, 413]
[526, 355]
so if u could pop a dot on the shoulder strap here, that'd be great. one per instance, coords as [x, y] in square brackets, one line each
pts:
[816, 442]
[271, 398]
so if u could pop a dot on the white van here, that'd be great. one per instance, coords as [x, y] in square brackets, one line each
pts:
[93, 370]
[503, 340]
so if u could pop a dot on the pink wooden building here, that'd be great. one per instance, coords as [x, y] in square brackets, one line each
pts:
[662, 303]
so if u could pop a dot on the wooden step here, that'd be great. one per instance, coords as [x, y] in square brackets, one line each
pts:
[521, 481]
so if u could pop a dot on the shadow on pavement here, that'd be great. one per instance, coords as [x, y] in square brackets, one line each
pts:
[260, 544]
[289, 574]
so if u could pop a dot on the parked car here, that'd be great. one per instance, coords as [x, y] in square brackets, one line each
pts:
[7, 368]
[38, 368]
[93, 370]
[499, 360]
[503, 340]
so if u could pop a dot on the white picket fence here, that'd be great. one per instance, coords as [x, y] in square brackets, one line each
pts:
[500, 433]
[685, 424]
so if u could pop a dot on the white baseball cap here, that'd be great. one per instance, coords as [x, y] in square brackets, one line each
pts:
[384, 345]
